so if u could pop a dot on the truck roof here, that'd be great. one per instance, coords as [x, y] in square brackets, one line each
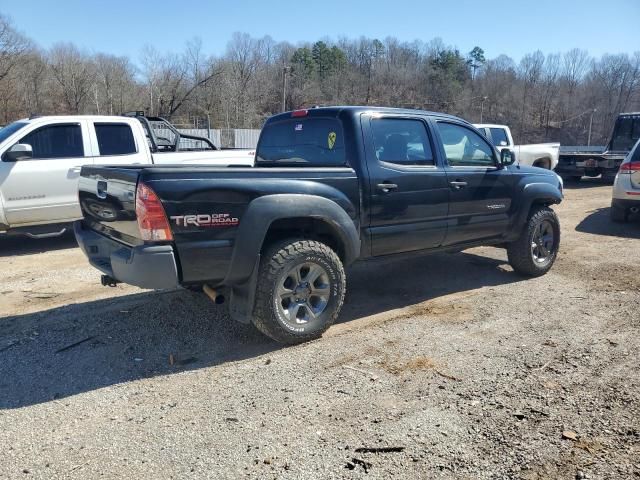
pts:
[356, 109]
[67, 118]
[489, 125]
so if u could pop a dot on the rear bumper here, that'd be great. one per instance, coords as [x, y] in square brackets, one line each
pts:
[572, 166]
[145, 266]
[625, 204]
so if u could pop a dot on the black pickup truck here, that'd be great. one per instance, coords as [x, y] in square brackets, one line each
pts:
[331, 186]
[573, 164]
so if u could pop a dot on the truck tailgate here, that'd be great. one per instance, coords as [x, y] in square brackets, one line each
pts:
[108, 201]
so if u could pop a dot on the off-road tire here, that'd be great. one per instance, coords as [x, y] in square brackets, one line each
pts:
[618, 214]
[275, 261]
[520, 252]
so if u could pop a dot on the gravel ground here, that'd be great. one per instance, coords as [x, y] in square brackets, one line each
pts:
[452, 364]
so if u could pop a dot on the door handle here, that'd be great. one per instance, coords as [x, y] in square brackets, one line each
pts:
[76, 169]
[386, 187]
[458, 184]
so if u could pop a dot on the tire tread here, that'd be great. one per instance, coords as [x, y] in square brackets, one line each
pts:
[274, 259]
[519, 251]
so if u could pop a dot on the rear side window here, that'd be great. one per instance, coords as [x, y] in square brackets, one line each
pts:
[402, 141]
[115, 139]
[316, 142]
[56, 141]
[499, 135]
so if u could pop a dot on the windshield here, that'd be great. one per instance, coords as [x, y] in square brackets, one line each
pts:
[10, 129]
[311, 141]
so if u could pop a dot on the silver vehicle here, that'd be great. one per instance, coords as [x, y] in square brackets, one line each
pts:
[626, 187]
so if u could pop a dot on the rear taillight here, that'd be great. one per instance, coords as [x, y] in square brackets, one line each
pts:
[152, 220]
[299, 113]
[630, 167]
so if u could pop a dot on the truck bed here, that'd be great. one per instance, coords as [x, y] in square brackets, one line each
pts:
[194, 197]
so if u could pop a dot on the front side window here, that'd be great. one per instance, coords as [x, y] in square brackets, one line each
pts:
[499, 137]
[307, 141]
[465, 148]
[56, 141]
[401, 141]
[115, 139]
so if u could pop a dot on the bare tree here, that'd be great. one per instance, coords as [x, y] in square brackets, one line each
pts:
[13, 46]
[74, 73]
[545, 97]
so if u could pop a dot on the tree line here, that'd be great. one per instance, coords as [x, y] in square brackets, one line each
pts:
[553, 97]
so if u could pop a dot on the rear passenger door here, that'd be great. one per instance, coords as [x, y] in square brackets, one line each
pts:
[409, 194]
[44, 188]
[480, 191]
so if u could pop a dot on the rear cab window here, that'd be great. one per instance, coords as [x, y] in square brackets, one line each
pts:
[304, 142]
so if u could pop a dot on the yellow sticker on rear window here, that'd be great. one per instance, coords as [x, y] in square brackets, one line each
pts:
[331, 140]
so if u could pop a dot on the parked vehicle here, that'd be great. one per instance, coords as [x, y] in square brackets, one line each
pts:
[331, 186]
[573, 165]
[626, 187]
[543, 155]
[41, 160]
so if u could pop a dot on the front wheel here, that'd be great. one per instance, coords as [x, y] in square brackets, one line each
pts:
[300, 291]
[536, 250]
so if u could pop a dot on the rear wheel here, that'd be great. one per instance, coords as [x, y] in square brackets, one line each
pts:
[301, 287]
[534, 253]
[618, 214]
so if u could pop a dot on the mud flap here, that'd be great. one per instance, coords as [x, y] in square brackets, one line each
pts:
[242, 296]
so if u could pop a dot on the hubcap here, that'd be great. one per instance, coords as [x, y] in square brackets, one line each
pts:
[303, 293]
[542, 243]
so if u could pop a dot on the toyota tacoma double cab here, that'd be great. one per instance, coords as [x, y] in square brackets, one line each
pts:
[330, 186]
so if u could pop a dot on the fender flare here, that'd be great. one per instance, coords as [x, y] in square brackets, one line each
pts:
[535, 193]
[263, 211]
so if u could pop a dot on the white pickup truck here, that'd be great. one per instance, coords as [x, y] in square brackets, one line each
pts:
[544, 155]
[41, 157]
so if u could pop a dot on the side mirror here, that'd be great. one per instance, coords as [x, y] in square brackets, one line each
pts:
[507, 157]
[20, 151]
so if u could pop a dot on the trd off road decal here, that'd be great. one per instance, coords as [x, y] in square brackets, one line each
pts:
[206, 220]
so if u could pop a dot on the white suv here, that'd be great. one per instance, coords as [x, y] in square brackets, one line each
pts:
[626, 188]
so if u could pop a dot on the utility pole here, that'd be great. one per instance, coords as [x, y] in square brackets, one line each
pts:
[285, 72]
[591, 125]
[482, 107]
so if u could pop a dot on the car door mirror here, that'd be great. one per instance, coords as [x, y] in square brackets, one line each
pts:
[507, 157]
[20, 151]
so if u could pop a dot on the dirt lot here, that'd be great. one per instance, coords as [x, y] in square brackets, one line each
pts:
[461, 367]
